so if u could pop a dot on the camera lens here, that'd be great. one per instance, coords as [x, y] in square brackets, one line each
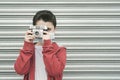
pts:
[36, 33]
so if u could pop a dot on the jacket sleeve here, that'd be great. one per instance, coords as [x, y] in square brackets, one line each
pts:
[54, 58]
[22, 64]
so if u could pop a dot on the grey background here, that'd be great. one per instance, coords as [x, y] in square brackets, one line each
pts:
[89, 29]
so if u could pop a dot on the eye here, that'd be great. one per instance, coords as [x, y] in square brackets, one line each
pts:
[49, 29]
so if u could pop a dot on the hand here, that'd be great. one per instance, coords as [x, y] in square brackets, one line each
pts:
[46, 35]
[29, 37]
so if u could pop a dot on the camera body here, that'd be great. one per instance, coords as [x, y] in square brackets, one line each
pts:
[38, 30]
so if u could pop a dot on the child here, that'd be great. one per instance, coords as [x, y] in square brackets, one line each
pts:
[44, 60]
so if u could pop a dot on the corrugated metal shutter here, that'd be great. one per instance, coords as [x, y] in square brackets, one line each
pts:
[90, 30]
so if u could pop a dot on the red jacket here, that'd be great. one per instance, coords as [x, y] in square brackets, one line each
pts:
[54, 59]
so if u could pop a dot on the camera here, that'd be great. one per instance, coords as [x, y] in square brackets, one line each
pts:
[38, 30]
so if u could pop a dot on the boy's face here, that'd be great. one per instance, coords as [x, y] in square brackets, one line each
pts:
[49, 25]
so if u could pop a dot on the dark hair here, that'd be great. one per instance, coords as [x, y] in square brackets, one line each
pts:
[46, 16]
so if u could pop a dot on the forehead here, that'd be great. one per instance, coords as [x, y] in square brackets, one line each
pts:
[48, 24]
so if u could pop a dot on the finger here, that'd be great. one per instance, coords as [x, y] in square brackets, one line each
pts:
[45, 32]
[31, 36]
[29, 32]
[30, 39]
